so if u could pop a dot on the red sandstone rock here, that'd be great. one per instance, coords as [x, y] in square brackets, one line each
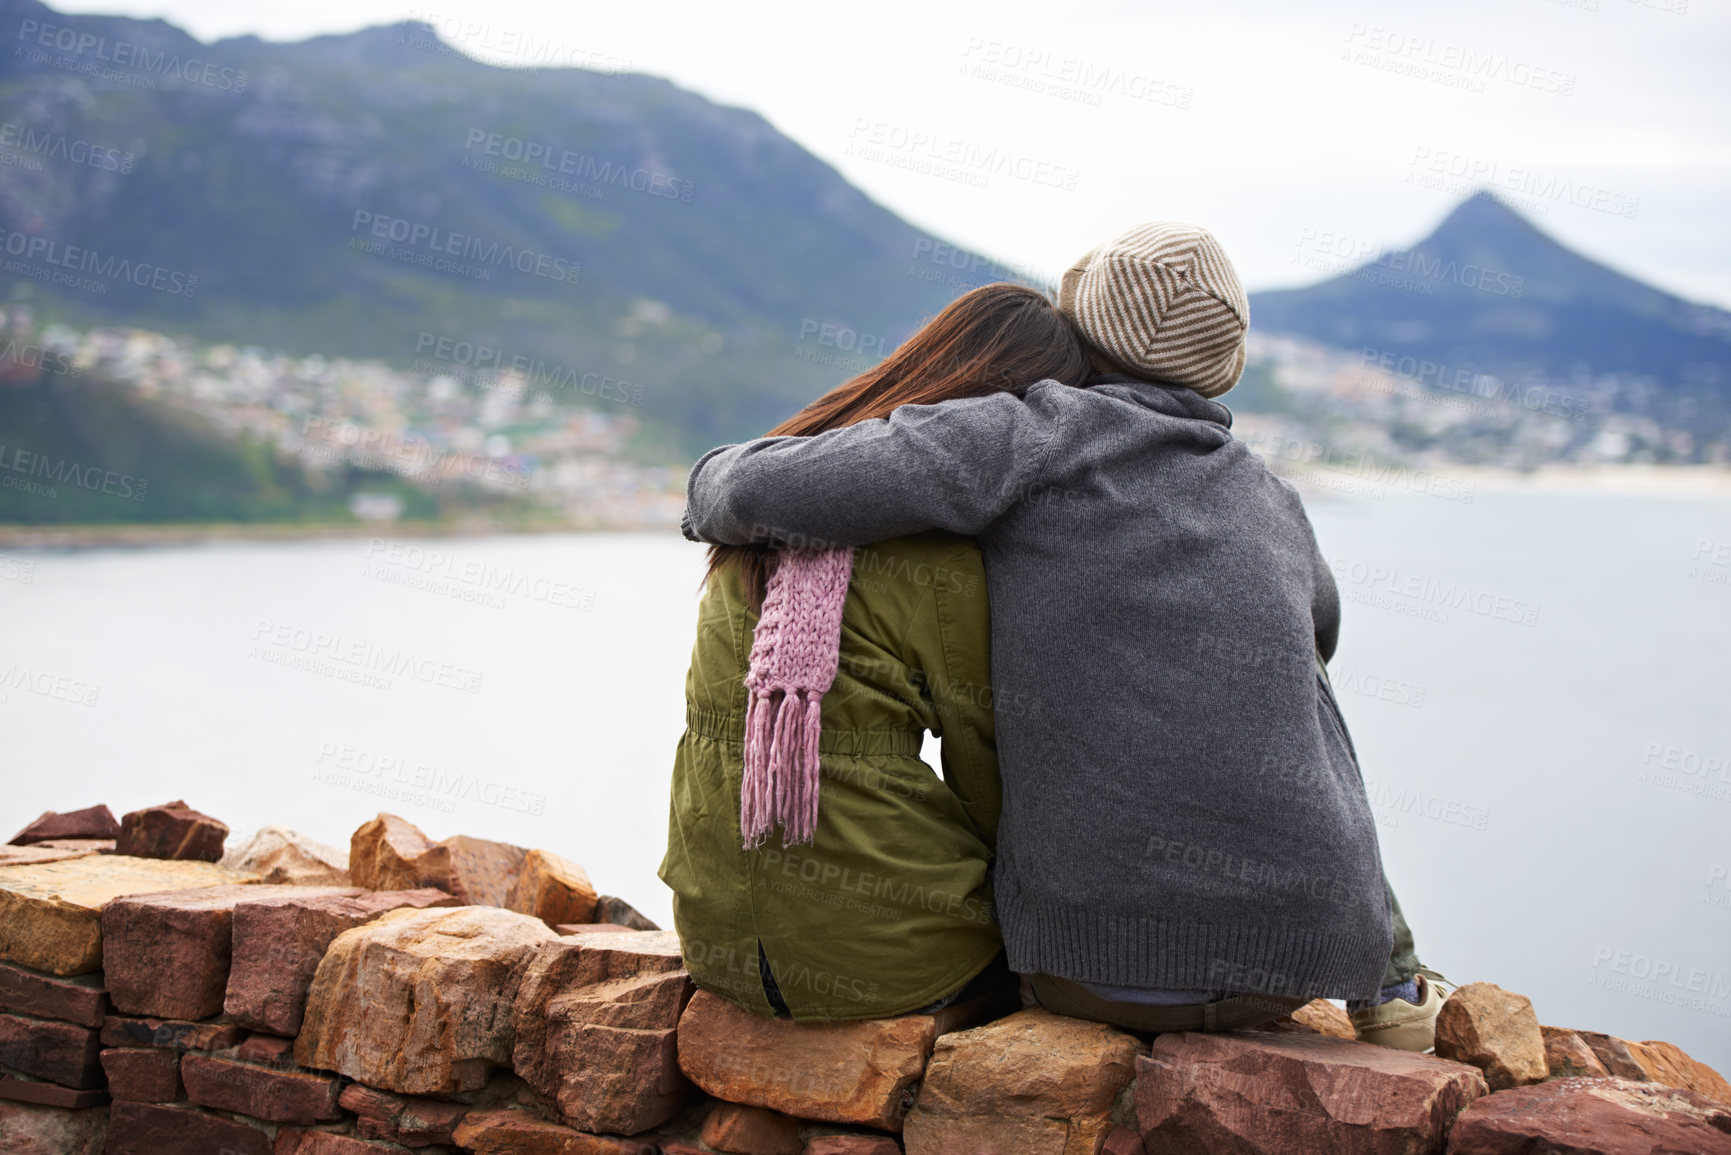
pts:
[1667, 1063]
[590, 928]
[751, 1131]
[290, 1141]
[1034, 1083]
[38, 854]
[93, 822]
[1614, 1053]
[847, 1072]
[59, 1052]
[169, 1034]
[268, 1050]
[267, 1093]
[383, 852]
[855, 1145]
[621, 913]
[29, 1129]
[172, 830]
[51, 914]
[82, 1000]
[143, 1074]
[1592, 1117]
[167, 954]
[596, 1023]
[279, 855]
[1123, 1141]
[520, 1133]
[477, 871]
[1318, 1017]
[1245, 1092]
[19, 1090]
[278, 942]
[413, 1122]
[615, 954]
[1494, 1030]
[419, 1001]
[147, 1129]
[1568, 1056]
[87, 845]
[390, 853]
[553, 889]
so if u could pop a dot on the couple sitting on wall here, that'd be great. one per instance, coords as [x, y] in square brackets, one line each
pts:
[1031, 533]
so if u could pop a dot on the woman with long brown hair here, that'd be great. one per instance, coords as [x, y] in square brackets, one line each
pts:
[820, 869]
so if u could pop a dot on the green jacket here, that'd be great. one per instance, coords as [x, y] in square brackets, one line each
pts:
[889, 909]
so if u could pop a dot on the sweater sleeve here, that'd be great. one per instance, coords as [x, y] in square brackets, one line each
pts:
[1324, 593]
[1325, 606]
[956, 466]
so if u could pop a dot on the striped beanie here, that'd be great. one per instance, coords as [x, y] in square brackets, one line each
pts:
[1162, 301]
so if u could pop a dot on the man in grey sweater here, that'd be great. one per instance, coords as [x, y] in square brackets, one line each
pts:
[1185, 841]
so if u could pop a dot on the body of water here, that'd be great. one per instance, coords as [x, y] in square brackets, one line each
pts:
[1539, 686]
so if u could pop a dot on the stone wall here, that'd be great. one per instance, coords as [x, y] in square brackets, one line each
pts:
[161, 993]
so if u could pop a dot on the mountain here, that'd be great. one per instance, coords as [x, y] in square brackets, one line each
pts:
[380, 195]
[373, 194]
[1487, 292]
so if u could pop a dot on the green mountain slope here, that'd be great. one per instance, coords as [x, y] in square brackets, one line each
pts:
[351, 194]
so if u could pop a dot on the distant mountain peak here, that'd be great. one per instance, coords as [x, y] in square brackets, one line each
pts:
[1490, 289]
[1486, 217]
[382, 44]
[1486, 237]
[1485, 197]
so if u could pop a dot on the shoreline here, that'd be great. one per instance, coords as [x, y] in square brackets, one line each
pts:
[1657, 481]
[1621, 480]
[69, 537]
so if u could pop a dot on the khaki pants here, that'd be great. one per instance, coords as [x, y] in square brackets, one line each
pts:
[1061, 996]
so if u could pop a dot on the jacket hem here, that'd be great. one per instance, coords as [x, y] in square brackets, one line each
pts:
[850, 1012]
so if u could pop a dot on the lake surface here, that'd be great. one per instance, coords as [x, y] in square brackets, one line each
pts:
[1539, 686]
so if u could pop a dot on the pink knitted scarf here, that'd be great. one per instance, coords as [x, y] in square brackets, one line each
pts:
[794, 655]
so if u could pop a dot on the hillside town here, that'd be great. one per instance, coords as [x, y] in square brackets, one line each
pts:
[1331, 407]
[565, 449]
[496, 426]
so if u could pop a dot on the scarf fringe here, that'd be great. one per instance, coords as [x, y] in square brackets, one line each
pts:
[781, 781]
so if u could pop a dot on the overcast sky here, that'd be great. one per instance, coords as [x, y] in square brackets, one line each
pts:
[1294, 131]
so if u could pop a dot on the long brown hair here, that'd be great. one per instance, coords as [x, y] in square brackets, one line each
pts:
[997, 338]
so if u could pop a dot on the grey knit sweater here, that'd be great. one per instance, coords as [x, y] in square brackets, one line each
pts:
[1183, 809]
